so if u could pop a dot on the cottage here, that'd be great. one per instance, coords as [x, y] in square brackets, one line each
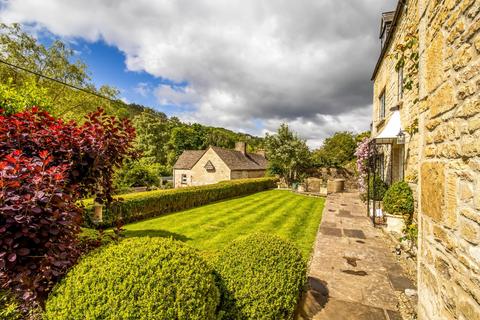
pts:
[201, 167]
[426, 129]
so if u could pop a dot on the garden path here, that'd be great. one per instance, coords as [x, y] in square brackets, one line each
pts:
[353, 274]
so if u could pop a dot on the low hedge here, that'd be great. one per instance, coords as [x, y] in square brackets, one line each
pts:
[260, 277]
[399, 199]
[139, 278]
[137, 206]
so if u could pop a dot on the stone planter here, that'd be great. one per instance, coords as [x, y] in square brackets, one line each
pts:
[395, 223]
[336, 185]
[97, 213]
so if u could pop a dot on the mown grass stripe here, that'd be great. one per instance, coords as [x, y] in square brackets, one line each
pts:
[297, 220]
[246, 222]
[204, 213]
[212, 226]
[199, 217]
[307, 233]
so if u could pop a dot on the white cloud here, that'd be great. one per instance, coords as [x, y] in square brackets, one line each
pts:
[143, 89]
[245, 61]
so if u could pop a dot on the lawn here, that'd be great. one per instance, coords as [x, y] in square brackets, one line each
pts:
[210, 227]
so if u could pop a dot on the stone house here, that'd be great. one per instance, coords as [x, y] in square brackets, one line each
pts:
[201, 167]
[426, 124]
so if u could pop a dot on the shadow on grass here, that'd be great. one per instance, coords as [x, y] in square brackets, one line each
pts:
[155, 233]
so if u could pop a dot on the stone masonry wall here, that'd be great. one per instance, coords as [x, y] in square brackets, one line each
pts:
[387, 80]
[449, 182]
[200, 176]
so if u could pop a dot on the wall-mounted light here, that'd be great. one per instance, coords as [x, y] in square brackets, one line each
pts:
[401, 137]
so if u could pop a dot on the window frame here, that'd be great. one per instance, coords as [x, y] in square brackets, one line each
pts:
[183, 178]
[382, 105]
[400, 83]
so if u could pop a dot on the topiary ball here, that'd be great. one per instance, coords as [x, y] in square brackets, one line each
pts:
[139, 278]
[399, 199]
[260, 277]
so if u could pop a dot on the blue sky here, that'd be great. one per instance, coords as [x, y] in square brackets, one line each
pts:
[107, 67]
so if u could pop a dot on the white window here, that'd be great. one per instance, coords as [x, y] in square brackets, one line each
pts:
[381, 99]
[184, 179]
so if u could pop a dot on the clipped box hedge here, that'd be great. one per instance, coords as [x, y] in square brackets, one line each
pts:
[137, 206]
[259, 277]
[137, 279]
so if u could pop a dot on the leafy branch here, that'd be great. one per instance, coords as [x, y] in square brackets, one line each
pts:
[407, 57]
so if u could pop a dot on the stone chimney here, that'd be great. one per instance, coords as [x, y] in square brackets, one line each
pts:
[241, 146]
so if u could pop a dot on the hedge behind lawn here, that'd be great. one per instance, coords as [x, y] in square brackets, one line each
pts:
[139, 278]
[137, 206]
[260, 277]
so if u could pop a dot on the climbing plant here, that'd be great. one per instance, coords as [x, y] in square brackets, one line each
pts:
[363, 153]
[407, 57]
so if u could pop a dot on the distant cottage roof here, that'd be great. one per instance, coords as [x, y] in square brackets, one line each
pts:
[188, 159]
[234, 159]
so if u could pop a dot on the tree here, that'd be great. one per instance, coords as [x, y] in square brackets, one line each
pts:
[336, 151]
[46, 166]
[361, 136]
[56, 61]
[288, 155]
[153, 133]
[183, 138]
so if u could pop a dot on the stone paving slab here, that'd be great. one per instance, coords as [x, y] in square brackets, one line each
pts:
[352, 273]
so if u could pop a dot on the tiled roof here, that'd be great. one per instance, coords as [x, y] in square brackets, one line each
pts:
[236, 160]
[188, 159]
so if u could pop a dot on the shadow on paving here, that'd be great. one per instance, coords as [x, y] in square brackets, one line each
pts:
[155, 233]
[352, 275]
[313, 300]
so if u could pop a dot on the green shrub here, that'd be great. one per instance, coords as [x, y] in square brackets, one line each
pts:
[378, 192]
[260, 277]
[139, 278]
[141, 205]
[9, 306]
[140, 173]
[399, 199]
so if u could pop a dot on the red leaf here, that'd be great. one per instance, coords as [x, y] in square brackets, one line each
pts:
[43, 154]
[23, 251]
[12, 257]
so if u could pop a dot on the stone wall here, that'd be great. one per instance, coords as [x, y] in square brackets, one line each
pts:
[325, 174]
[449, 182]
[177, 178]
[200, 176]
[386, 80]
[247, 174]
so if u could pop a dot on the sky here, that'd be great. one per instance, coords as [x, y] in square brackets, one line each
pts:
[246, 65]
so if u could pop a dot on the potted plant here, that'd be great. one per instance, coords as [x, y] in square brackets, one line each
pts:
[398, 205]
[377, 188]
